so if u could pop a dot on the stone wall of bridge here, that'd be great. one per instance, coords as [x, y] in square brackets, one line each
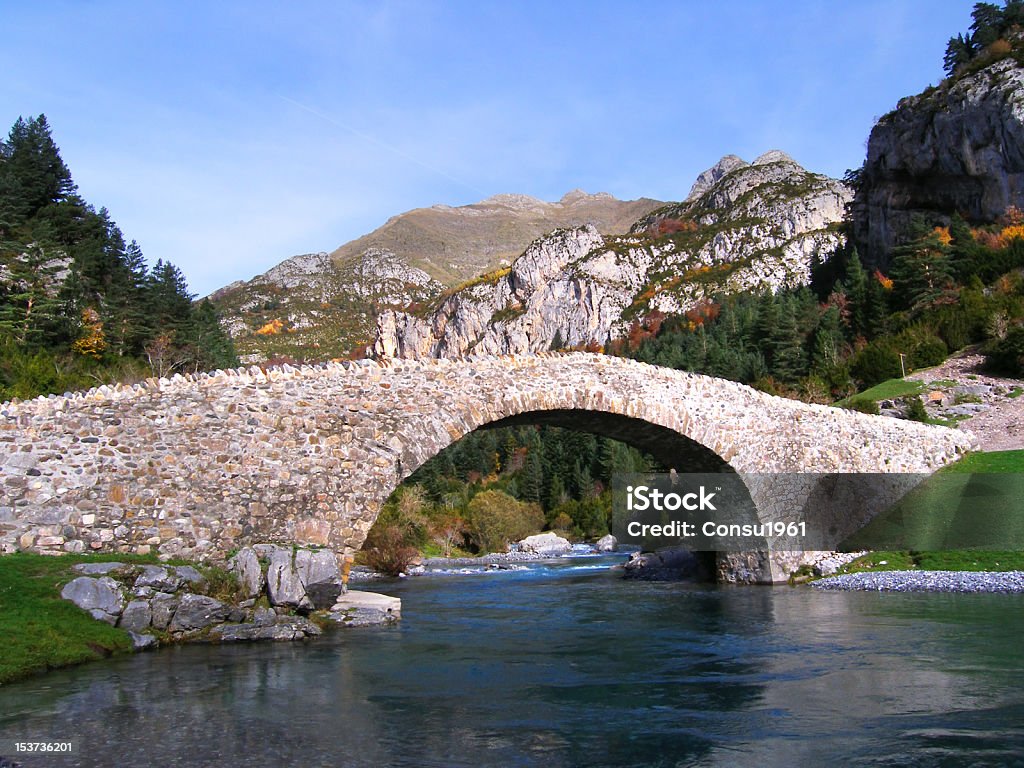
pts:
[195, 466]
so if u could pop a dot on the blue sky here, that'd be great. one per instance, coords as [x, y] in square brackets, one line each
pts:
[228, 136]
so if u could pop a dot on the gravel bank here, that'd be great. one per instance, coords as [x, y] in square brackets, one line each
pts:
[926, 581]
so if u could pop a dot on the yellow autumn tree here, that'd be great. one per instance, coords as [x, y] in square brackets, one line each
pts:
[92, 341]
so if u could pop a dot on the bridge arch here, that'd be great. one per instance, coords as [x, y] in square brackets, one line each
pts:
[199, 465]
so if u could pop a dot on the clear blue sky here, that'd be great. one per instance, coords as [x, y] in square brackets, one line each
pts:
[228, 136]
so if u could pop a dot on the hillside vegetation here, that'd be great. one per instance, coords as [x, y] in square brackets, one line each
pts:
[78, 304]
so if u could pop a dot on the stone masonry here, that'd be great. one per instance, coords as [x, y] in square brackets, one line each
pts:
[195, 466]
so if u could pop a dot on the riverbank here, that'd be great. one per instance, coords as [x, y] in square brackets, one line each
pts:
[926, 581]
[57, 611]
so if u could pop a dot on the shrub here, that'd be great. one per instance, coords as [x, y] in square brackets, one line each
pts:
[1007, 355]
[916, 410]
[386, 551]
[877, 362]
[495, 519]
[928, 352]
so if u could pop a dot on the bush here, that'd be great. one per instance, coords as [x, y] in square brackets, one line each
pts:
[496, 519]
[877, 362]
[386, 551]
[916, 410]
[1006, 355]
[928, 352]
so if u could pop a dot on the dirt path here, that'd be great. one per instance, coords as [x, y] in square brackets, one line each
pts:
[993, 416]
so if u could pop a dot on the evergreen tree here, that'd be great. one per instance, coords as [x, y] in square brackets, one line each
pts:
[29, 310]
[921, 272]
[788, 363]
[32, 173]
[856, 282]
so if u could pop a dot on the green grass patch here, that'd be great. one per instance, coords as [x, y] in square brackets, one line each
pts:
[988, 462]
[887, 390]
[947, 560]
[880, 561]
[40, 630]
[1015, 392]
[974, 505]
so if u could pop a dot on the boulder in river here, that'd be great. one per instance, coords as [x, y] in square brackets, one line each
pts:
[607, 543]
[668, 564]
[548, 544]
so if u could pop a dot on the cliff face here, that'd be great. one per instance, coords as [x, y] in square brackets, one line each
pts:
[745, 226]
[955, 148]
[322, 305]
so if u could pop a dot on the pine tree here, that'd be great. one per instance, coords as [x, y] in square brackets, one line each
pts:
[32, 173]
[921, 272]
[788, 362]
[29, 309]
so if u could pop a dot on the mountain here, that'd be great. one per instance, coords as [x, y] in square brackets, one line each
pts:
[326, 305]
[744, 226]
[955, 148]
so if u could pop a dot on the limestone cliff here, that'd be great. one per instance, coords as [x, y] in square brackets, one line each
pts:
[745, 226]
[958, 147]
[323, 305]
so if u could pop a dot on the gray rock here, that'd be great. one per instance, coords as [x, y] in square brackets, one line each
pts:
[246, 566]
[320, 577]
[197, 612]
[101, 597]
[284, 587]
[264, 617]
[163, 606]
[93, 569]
[669, 564]
[189, 574]
[137, 616]
[358, 609]
[157, 578]
[297, 628]
[957, 147]
[607, 543]
[545, 544]
[142, 642]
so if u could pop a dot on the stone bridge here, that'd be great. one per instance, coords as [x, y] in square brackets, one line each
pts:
[194, 466]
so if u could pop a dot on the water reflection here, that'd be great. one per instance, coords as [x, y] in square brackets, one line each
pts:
[561, 668]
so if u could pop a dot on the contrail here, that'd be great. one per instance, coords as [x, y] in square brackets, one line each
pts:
[379, 143]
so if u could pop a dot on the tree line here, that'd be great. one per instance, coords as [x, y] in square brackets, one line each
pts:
[992, 34]
[79, 304]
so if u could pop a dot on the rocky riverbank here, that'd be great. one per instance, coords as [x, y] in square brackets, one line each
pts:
[926, 581]
[271, 593]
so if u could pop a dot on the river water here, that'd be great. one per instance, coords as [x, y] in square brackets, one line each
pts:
[565, 664]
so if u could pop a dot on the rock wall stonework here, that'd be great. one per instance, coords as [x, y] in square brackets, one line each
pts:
[195, 466]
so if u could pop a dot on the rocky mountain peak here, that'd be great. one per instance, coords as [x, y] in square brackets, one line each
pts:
[327, 304]
[579, 196]
[714, 174]
[774, 156]
[751, 227]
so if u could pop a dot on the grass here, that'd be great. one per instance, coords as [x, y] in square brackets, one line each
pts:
[40, 630]
[967, 516]
[952, 560]
[992, 461]
[887, 390]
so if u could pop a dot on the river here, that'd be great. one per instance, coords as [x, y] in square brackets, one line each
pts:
[565, 664]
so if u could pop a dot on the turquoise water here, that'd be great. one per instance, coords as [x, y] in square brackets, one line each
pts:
[566, 665]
